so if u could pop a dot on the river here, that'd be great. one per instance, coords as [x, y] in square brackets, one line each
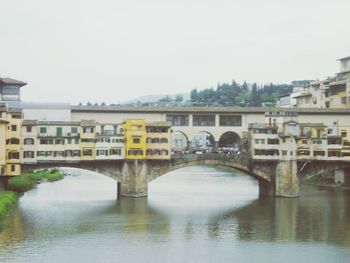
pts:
[196, 214]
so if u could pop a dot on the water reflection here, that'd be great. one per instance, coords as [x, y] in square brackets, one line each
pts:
[318, 216]
[78, 218]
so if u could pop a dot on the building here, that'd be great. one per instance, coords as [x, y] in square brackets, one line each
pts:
[3, 131]
[56, 141]
[88, 140]
[13, 142]
[158, 142]
[135, 139]
[110, 142]
[329, 93]
[10, 89]
[285, 138]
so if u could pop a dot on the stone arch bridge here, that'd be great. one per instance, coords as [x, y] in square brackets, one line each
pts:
[276, 178]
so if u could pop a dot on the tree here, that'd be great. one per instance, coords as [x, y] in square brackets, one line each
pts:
[165, 99]
[179, 98]
[194, 95]
[254, 98]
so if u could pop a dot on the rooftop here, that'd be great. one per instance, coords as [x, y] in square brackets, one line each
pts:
[8, 81]
[202, 110]
[345, 58]
[159, 124]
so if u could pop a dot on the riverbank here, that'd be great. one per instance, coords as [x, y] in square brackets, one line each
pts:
[28, 181]
[323, 181]
[18, 185]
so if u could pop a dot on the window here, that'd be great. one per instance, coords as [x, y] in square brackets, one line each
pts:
[28, 141]
[230, 120]
[343, 100]
[43, 130]
[74, 130]
[149, 140]
[303, 152]
[135, 152]
[343, 134]
[284, 152]
[87, 152]
[13, 168]
[163, 140]
[43, 141]
[40, 153]
[10, 90]
[203, 120]
[136, 140]
[11, 141]
[59, 141]
[115, 151]
[13, 155]
[155, 140]
[76, 141]
[178, 120]
[88, 130]
[29, 129]
[88, 140]
[304, 141]
[59, 131]
[28, 154]
[13, 127]
[319, 153]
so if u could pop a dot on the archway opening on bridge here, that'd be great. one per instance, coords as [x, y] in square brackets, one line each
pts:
[179, 142]
[203, 142]
[229, 141]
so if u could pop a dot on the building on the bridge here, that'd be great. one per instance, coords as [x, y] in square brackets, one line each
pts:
[135, 139]
[3, 131]
[158, 140]
[109, 142]
[57, 141]
[88, 140]
[29, 141]
[10, 89]
[285, 138]
[13, 142]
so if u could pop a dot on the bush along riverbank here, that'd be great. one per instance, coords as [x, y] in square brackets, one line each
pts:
[325, 181]
[28, 181]
[18, 185]
[8, 200]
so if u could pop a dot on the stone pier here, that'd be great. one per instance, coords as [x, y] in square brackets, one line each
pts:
[133, 181]
[286, 179]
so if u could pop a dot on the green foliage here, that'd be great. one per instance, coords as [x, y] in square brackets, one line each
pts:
[179, 98]
[28, 181]
[318, 179]
[234, 94]
[167, 98]
[7, 199]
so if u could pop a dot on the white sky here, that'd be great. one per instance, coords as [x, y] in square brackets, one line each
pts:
[112, 51]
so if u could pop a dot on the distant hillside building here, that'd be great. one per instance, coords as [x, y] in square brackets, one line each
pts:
[10, 94]
[10, 89]
[329, 93]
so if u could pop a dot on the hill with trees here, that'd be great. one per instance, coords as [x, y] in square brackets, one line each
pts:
[243, 95]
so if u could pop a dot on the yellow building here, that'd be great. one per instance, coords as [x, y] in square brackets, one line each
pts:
[13, 142]
[135, 139]
[158, 140]
[88, 140]
[3, 129]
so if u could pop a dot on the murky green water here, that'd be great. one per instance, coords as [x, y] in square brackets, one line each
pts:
[196, 214]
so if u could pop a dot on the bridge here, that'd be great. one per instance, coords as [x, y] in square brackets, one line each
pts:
[276, 178]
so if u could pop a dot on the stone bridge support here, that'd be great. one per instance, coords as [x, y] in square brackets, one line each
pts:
[134, 182]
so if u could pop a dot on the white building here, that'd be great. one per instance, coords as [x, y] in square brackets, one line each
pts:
[109, 142]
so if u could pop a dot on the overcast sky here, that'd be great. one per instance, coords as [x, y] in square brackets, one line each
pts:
[111, 51]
